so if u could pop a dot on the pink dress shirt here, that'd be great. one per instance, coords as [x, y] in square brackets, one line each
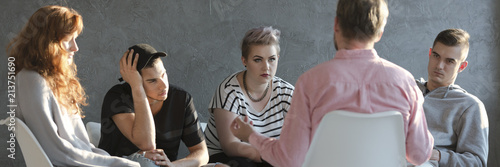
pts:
[357, 81]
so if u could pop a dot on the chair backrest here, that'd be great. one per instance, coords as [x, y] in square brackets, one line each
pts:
[94, 132]
[348, 139]
[32, 151]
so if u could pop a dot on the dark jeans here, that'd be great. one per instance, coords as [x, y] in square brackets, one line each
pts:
[236, 161]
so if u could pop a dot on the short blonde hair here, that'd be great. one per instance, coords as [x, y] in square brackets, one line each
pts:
[260, 36]
[362, 19]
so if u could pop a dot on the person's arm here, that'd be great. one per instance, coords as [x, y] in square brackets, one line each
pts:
[419, 141]
[138, 127]
[192, 136]
[231, 145]
[41, 113]
[198, 155]
[472, 139]
[291, 148]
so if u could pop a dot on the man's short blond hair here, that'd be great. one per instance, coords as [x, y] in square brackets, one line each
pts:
[362, 20]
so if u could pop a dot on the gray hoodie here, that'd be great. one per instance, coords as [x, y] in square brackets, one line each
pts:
[458, 122]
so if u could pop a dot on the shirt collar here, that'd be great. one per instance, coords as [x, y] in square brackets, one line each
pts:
[358, 53]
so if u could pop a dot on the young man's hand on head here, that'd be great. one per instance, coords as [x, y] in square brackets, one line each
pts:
[128, 69]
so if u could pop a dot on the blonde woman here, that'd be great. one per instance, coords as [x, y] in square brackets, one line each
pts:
[49, 95]
[255, 92]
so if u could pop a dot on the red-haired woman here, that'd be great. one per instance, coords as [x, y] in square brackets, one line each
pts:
[49, 95]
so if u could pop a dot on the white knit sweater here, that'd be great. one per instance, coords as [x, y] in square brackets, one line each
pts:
[63, 137]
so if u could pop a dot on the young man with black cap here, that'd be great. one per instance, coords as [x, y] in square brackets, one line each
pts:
[147, 116]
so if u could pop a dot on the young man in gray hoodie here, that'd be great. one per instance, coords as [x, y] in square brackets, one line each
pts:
[455, 118]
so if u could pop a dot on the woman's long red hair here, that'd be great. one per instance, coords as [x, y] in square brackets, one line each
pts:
[38, 47]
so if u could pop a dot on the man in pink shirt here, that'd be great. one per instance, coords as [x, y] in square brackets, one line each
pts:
[356, 80]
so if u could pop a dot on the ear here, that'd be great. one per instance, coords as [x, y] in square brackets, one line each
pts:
[430, 52]
[463, 65]
[336, 28]
[379, 37]
[243, 61]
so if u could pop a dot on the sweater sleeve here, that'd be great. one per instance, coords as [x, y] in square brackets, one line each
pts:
[40, 111]
[291, 148]
[472, 139]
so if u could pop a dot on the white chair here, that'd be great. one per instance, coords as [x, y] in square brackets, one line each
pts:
[32, 151]
[94, 132]
[425, 164]
[348, 139]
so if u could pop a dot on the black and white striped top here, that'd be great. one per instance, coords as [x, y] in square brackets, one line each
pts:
[229, 96]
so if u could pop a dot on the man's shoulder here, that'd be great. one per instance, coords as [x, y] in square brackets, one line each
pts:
[457, 93]
[421, 82]
[460, 92]
[472, 106]
[118, 95]
[176, 89]
[319, 69]
[177, 93]
[395, 68]
[123, 88]
[333, 68]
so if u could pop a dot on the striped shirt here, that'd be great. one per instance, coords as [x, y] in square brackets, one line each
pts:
[229, 96]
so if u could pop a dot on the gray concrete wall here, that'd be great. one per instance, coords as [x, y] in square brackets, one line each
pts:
[202, 37]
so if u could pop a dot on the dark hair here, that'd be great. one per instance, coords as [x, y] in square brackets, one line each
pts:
[362, 19]
[453, 37]
[260, 36]
[151, 62]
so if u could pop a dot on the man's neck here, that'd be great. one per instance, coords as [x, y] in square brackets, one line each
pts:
[429, 85]
[155, 105]
[356, 44]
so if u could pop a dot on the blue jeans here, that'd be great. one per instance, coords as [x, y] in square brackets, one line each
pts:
[145, 162]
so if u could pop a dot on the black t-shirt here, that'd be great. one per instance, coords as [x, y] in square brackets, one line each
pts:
[176, 121]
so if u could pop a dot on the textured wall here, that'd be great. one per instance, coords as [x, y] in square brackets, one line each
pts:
[202, 37]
